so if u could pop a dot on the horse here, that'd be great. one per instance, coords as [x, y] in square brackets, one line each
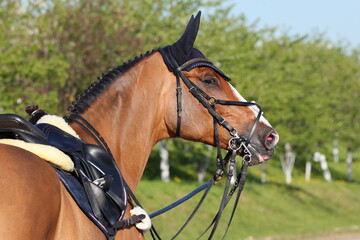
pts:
[133, 106]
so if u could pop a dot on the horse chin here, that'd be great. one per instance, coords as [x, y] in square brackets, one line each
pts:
[257, 158]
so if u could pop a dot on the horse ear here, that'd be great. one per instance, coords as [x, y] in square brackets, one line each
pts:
[189, 23]
[186, 42]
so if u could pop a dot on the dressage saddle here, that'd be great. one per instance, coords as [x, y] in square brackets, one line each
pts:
[96, 183]
[13, 126]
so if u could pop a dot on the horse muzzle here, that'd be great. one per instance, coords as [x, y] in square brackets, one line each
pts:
[263, 148]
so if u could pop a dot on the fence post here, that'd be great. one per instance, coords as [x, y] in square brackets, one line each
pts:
[335, 151]
[349, 165]
[319, 157]
[307, 171]
[287, 163]
[164, 162]
[203, 165]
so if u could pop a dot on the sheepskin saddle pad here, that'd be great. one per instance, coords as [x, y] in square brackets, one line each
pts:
[87, 171]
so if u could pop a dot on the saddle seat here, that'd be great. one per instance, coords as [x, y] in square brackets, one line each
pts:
[95, 184]
[13, 126]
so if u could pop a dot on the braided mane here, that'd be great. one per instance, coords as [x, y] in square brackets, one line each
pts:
[96, 89]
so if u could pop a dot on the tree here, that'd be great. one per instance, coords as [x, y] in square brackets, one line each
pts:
[28, 70]
[51, 50]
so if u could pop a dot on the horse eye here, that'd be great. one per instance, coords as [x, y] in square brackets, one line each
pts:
[210, 81]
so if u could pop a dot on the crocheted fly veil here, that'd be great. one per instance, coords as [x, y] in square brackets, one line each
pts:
[183, 51]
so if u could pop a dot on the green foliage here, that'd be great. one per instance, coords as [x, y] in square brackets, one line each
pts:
[185, 160]
[29, 69]
[309, 87]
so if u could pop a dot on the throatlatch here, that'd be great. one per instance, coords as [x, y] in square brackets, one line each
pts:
[236, 144]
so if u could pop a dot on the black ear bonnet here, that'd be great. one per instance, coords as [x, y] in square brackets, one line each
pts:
[185, 54]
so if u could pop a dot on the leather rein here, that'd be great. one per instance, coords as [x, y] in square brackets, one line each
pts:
[209, 102]
[236, 145]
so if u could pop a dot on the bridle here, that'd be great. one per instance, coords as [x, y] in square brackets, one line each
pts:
[209, 102]
[236, 144]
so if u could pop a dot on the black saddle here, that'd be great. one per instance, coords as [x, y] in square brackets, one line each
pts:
[15, 127]
[96, 184]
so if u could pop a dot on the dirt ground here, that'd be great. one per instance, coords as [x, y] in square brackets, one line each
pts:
[341, 236]
[350, 233]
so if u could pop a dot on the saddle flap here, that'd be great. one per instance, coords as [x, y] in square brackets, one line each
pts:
[101, 165]
[100, 179]
[107, 207]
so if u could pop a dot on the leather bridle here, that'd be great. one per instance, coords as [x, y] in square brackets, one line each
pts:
[209, 102]
[236, 143]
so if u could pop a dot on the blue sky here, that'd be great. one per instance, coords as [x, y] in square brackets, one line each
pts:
[338, 19]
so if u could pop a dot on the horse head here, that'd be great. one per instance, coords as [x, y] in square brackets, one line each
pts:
[211, 101]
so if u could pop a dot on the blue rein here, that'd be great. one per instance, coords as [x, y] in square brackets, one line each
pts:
[181, 200]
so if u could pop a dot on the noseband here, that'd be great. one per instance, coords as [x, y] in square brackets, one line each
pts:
[209, 102]
[236, 143]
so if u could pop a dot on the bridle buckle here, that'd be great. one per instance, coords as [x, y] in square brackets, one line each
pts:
[212, 101]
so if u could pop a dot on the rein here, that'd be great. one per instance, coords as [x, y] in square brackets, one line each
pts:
[236, 145]
[93, 133]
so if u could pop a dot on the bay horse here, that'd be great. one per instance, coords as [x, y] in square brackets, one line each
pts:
[133, 107]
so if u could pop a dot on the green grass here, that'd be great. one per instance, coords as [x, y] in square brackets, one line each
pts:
[270, 209]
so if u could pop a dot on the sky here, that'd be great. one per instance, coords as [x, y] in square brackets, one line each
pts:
[338, 19]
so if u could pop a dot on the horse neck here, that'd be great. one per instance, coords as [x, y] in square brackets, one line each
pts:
[130, 116]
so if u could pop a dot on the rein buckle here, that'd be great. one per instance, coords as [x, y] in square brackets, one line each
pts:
[218, 175]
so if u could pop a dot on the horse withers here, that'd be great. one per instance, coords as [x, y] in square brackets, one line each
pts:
[133, 107]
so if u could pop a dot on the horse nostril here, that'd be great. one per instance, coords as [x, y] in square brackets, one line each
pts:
[271, 140]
